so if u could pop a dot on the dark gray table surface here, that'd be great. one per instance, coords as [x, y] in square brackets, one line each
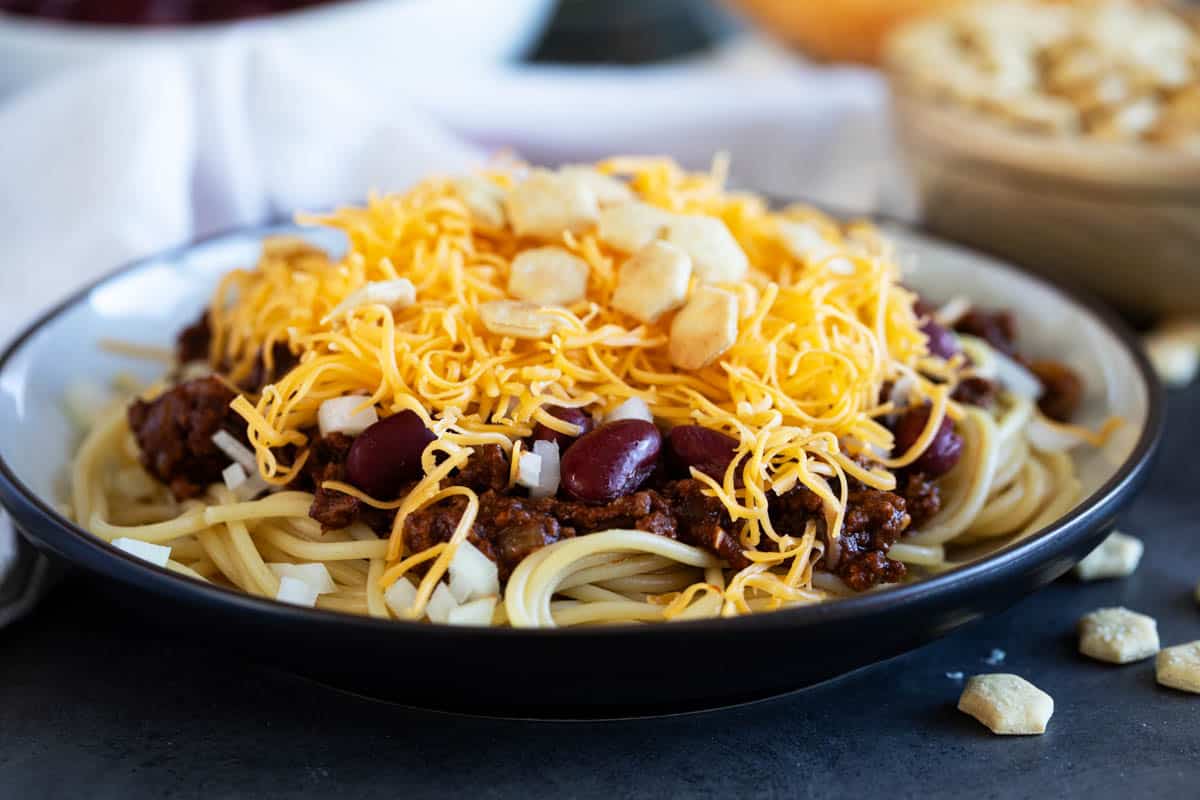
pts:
[96, 705]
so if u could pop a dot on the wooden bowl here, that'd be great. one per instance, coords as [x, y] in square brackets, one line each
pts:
[1120, 220]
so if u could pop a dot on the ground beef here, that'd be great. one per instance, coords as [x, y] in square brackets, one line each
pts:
[334, 510]
[678, 510]
[874, 517]
[703, 522]
[864, 569]
[433, 524]
[872, 523]
[791, 511]
[174, 432]
[514, 529]
[488, 468]
[193, 342]
[1062, 389]
[997, 328]
[327, 462]
[660, 523]
[378, 520]
[922, 498]
[509, 528]
[506, 529]
[976, 391]
[623, 512]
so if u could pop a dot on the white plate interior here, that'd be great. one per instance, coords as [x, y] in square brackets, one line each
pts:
[151, 303]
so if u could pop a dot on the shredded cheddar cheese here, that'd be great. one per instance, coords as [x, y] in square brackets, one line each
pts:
[799, 388]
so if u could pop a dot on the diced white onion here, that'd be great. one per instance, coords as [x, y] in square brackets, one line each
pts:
[156, 554]
[477, 612]
[252, 484]
[902, 391]
[236, 450]
[84, 402]
[315, 575]
[1015, 377]
[395, 294]
[400, 597]
[346, 415]
[1050, 438]
[633, 408]
[296, 592]
[234, 476]
[440, 604]
[472, 574]
[551, 473]
[529, 470]
[954, 309]
[253, 487]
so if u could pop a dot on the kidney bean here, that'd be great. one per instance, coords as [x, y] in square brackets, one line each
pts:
[942, 453]
[611, 461]
[997, 328]
[575, 416]
[388, 454]
[703, 448]
[941, 341]
[976, 391]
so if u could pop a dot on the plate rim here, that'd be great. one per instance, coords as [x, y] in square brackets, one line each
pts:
[80, 547]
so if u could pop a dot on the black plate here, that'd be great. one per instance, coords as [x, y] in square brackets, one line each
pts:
[594, 672]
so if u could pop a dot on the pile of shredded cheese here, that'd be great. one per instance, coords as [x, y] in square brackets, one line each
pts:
[800, 388]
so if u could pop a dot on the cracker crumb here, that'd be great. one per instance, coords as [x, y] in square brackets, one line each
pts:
[1174, 350]
[1006, 704]
[1116, 557]
[1118, 635]
[1179, 667]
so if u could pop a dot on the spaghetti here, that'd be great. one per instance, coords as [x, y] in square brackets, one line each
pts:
[610, 394]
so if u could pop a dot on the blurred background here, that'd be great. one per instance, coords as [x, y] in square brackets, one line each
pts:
[1061, 135]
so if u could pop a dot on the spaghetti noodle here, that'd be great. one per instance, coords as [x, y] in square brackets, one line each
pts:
[610, 394]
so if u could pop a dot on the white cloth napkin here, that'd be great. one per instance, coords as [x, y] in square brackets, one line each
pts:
[125, 158]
